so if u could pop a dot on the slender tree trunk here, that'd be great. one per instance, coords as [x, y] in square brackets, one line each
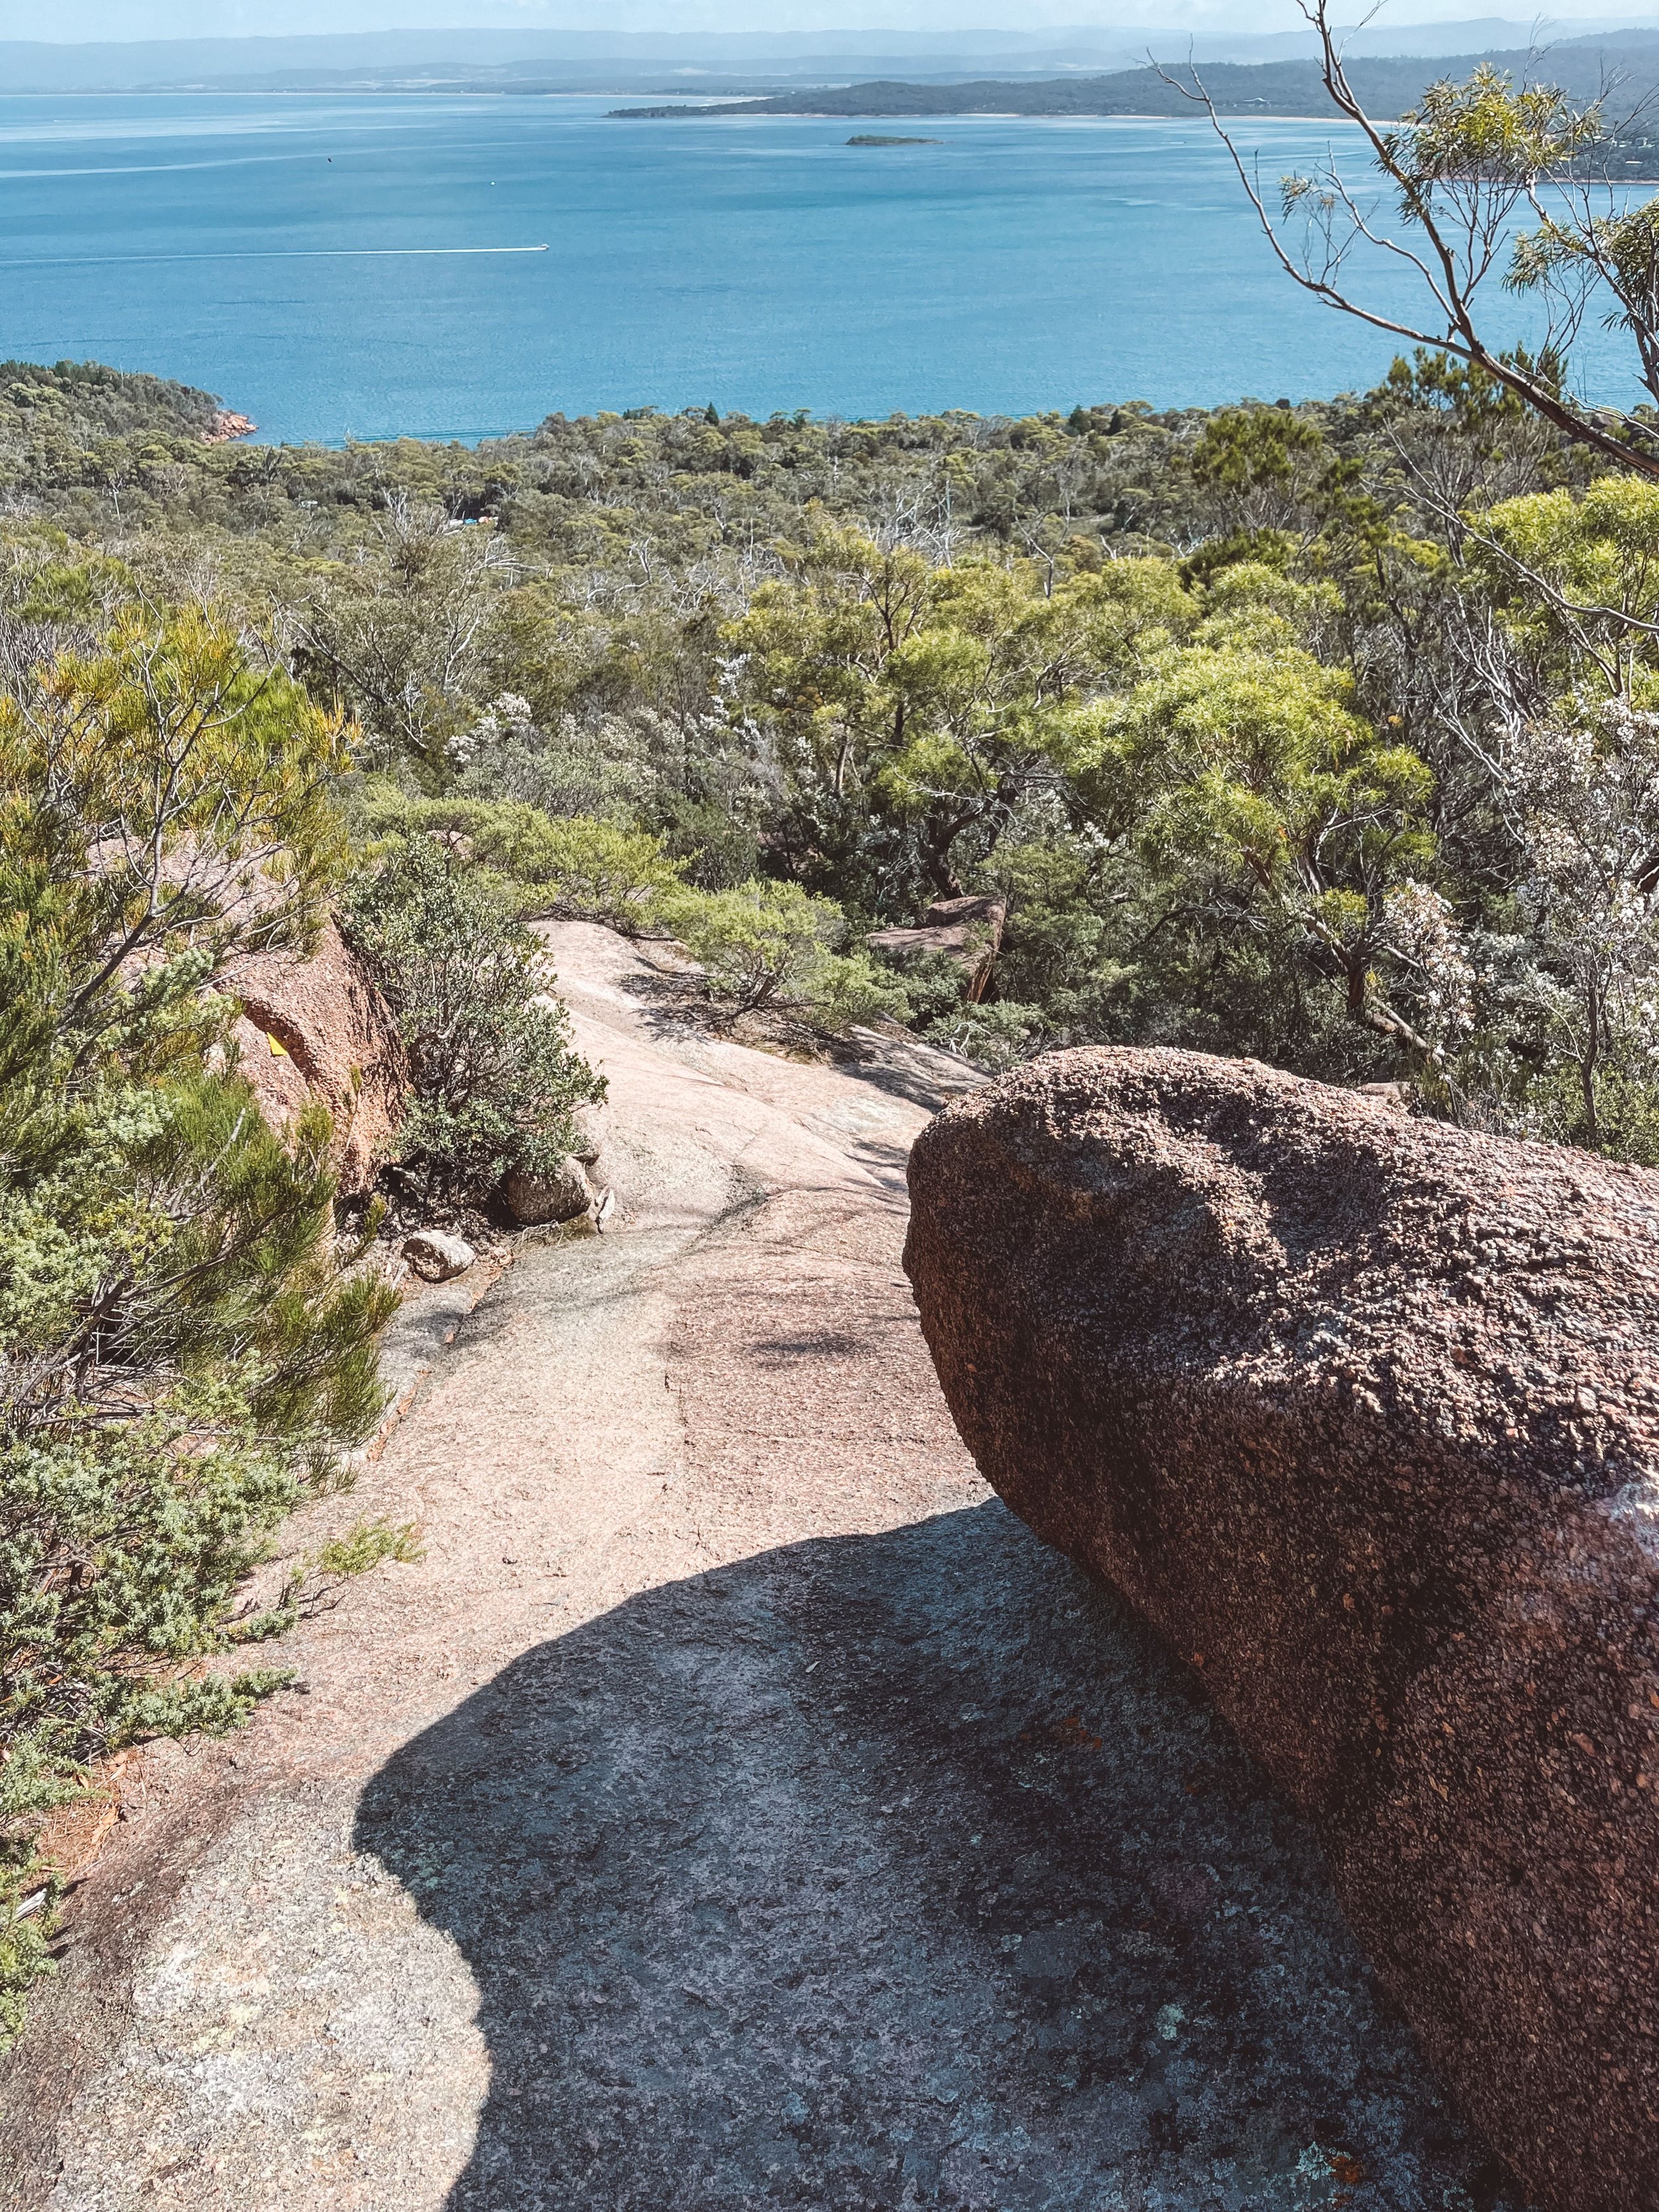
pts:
[936, 859]
[1587, 1068]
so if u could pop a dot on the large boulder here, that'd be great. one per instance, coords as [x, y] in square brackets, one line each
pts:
[314, 1030]
[1362, 1413]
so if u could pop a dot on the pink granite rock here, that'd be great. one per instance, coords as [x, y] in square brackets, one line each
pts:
[1362, 1413]
[313, 1029]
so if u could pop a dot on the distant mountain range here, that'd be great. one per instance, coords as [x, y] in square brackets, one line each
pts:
[1036, 61]
[1626, 67]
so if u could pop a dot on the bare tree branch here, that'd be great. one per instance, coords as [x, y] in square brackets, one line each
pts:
[1462, 201]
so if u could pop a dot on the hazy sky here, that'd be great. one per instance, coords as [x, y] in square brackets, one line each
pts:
[161, 19]
[154, 19]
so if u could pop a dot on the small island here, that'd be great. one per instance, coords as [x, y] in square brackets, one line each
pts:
[869, 139]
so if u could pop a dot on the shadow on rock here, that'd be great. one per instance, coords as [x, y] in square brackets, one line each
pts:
[898, 1871]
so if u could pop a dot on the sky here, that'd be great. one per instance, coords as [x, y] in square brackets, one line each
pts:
[81, 20]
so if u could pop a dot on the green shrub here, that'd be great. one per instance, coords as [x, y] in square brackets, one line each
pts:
[853, 987]
[181, 1350]
[592, 871]
[493, 1075]
[436, 917]
[995, 1037]
[715, 846]
[539, 864]
[773, 945]
[933, 983]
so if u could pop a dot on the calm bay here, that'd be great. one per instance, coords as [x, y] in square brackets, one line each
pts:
[366, 267]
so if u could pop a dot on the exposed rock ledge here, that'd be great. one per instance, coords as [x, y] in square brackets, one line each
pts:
[1360, 1412]
[967, 931]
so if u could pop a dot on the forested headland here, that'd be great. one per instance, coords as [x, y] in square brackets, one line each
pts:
[1623, 70]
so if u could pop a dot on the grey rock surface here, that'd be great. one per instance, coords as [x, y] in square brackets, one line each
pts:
[896, 1870]
[593, 1125]
[436, 1255]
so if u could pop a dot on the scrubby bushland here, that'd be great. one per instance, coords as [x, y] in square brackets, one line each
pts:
[432, 923]
[181, 1350]
[495, 1078]
[1314, 733]
[772, 944]
[1326, 735]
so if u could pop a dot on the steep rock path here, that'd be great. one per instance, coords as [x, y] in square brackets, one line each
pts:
[737, 1807]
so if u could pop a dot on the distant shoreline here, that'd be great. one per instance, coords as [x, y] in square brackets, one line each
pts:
[973, 115]
[736, 110]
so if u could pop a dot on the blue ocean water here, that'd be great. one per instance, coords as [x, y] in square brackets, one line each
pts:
[355, 267]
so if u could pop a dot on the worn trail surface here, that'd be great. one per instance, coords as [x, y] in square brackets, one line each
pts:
[737, 1807]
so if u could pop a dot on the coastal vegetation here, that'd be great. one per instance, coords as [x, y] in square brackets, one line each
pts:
[1237, 711]
[1587, 70]
[183, 1342]
[1249, 716]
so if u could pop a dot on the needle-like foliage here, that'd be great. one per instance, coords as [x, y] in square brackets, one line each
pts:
[181, 1351]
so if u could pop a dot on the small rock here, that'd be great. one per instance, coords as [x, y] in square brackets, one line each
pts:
[590, 1134]
[435, 1256]
[561, 1196]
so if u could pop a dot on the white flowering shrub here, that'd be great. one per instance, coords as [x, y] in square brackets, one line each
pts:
[1421, 936]
[1581, 797]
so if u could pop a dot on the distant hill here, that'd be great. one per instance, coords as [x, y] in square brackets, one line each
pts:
[1583, 68]
[528, 61]
[715, 64]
